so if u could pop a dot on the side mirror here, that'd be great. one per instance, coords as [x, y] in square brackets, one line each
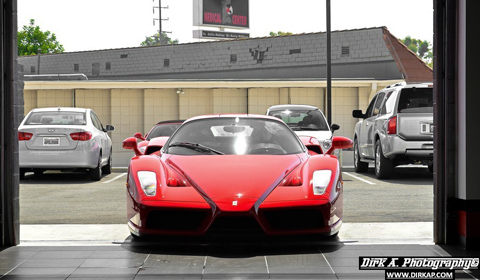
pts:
[334, 127]
[358, 114]
[138, 135]
[131, 144]
[109, 127]
[339, 143]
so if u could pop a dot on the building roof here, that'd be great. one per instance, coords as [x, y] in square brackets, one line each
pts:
[367, 54]
[409, 64]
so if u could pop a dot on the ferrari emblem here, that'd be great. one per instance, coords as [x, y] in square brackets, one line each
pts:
[234, 203]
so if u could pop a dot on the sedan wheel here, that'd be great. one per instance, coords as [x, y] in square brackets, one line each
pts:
[107, 169]
[383, 166]
[96, 173]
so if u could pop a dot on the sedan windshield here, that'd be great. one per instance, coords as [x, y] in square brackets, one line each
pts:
[302, 119]
[233, 136]
[163, 130]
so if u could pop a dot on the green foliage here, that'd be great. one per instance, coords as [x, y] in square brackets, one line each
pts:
[422, 49]
[156, 41]
[32, 38]
[280, 33]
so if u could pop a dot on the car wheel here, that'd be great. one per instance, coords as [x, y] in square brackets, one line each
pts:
[96, 173]
[383, 166]
[38, 172]
[360, 166]
[107, 169]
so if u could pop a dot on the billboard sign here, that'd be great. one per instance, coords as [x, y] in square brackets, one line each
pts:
[210, 34]
[221, 13]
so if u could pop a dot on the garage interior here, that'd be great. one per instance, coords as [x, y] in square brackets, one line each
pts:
[456, 87]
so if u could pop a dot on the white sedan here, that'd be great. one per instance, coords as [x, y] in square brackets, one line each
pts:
[305, 120]
[64, 139]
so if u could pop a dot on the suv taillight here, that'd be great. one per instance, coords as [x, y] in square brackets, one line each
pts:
[81, 136]
[24, 136]
[392, 126]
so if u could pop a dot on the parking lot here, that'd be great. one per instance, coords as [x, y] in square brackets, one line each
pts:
[72, 198]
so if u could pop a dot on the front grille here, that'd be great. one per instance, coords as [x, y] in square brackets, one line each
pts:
[294, 219]
[172, 219]
[235, 225]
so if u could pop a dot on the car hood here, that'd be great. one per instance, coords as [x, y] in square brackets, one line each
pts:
[227, 178]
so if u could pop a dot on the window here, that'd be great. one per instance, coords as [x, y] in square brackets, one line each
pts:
[166, 62]
[76, 67]
[56, 118]
[294, 51]
[33, 70]
[378, 103]
[108, 66]
[124, 55]
[95, 69]
[96, 122]
[416, 100]
[346, 51]
[233, 58]
[369, 111]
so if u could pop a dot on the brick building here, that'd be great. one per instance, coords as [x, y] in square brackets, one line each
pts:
[133, 88]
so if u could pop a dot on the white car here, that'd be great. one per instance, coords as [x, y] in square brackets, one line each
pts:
[305, 120]
[64, 139]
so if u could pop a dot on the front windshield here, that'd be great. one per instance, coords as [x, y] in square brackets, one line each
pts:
[233, 136]
[163, 130]
[298, 119]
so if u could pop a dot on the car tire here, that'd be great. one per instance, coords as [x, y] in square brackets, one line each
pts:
[430, 167]
[96, 173]
[360, 166]
[107, 169]
[383, 166]
[38, 172]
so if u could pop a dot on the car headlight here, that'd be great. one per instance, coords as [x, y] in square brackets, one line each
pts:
[148, 182]
[321, 180]
[327, 144]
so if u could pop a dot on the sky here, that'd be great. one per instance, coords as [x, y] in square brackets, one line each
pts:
[83, 25]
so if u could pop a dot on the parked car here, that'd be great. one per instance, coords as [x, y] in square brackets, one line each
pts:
[232, 174]
[396, 129]
[161, 129]
[305, 120]
[64, 139]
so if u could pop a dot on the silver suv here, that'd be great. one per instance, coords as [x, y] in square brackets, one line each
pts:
[396, 129]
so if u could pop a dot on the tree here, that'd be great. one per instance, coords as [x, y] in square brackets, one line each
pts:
[31, 38]
[422, 49]
[280, 33]
[155, 40]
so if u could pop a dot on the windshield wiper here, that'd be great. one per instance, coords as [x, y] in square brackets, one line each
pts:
[196, 147]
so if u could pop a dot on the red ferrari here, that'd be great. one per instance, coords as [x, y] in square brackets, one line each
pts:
[237, 173]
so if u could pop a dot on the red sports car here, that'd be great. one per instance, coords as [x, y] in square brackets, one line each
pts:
[161, 129]
[235, 173]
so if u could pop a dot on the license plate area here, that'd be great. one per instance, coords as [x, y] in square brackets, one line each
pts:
[51, 141]
[426, 128]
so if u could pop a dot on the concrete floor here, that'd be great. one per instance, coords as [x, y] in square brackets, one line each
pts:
[108, 252]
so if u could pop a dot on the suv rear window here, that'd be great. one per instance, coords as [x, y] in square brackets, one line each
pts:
[416, 100]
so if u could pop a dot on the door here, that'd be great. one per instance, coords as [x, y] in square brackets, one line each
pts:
[367, 134]
[102, 137]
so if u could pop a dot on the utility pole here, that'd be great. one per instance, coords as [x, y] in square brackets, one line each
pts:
[160, 31]
[329, 66]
